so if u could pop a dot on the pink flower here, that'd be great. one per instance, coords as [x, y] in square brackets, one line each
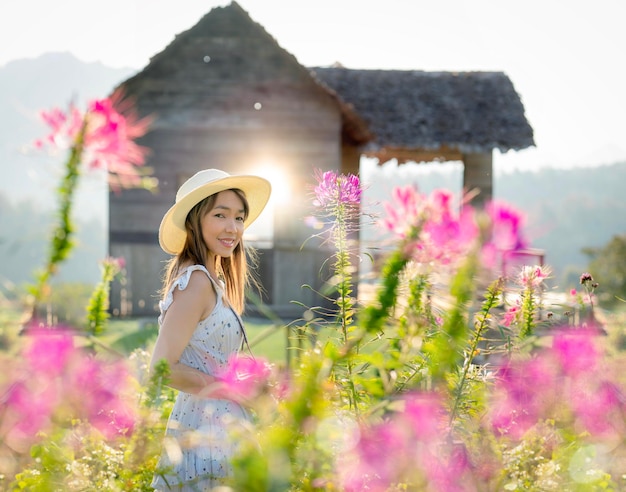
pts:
[333, 189]
[440, 234]
[404, 212]
[426, 415]
[378, 459]
[447, 471]
[65, 127]
[565, 382]
[108, 139]
[533, 276]
[575, 350]
[511, 315]
[100, 392]
[245, 377]
[506, 231]
[49, 349]
[446, 235]
[117, 264]
[30, 405]
[601, 409]
[524, 392]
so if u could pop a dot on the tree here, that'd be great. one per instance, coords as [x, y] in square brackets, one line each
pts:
[608, 267]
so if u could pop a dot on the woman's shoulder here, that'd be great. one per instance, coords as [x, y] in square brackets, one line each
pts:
[193, 280]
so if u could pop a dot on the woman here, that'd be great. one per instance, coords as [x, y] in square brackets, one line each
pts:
[199, 325]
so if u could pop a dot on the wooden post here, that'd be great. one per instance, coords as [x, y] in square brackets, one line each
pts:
[478, 175]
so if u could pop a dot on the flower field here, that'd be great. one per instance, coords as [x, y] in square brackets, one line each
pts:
[447, 377]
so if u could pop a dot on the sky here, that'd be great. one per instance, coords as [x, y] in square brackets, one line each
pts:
[564, 57]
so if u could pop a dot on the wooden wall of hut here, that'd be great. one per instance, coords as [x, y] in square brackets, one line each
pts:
[225, 95]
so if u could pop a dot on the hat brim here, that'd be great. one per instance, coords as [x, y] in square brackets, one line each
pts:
[172, 233]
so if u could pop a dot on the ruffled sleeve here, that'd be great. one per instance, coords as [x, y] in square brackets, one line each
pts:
[181, 283]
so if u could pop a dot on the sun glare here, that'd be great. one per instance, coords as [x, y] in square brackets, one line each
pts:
[281, 188]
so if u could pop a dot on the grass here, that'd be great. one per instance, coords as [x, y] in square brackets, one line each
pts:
[267, 339]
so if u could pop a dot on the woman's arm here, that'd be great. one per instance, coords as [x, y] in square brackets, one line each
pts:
[180, 321]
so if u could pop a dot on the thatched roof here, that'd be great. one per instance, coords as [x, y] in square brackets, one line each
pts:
[225, 55]
[466, 111]
[234, 59]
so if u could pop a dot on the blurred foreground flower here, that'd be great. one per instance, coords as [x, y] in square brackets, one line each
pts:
[566, 383]
[103, 136]
[439, 233]
[55, 382]
[410, 448]
[245, 377]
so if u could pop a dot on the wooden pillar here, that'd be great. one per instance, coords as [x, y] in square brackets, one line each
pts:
[478, 176]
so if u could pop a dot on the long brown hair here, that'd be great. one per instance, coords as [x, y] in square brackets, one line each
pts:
[234, 269]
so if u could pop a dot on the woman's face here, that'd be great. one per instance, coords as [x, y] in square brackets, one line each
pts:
[222, 226]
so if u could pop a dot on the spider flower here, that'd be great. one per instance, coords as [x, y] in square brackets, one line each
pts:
[105, 134]
[440, 233]
[404, 211]
[409, 445]
[506, 232]
[566, 382]
[245, 377]
[336, 189]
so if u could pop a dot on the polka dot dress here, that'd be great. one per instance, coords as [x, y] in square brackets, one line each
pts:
[197, 447]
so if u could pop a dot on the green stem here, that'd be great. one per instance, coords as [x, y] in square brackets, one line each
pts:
[344, 301]
[61, 243]
[528, 313]
[493, 293]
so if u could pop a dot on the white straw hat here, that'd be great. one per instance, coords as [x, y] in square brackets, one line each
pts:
[172, 233]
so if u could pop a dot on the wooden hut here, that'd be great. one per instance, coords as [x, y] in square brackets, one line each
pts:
[418, 116]
[224, 94]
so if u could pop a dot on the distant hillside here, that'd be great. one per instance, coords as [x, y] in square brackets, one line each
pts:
[569, 210]
[566, 210]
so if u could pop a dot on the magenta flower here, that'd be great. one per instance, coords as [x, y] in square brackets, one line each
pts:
[512, 314]
[404, 212]
[108, 141]
[445, 236]
[439, 233]
[524, 392]
[565, 383]
[506, 231]
[601, 409]
[100, 392]
[409, 447]
[378, 459]
[117, 264]
[28, 408]
[336, 189]
[575, 350]
[245, 377]
[54, 381]
[586, 278]
[425, 415]
[533, 276]
[49, 350]
[448, 470]
[64, 127]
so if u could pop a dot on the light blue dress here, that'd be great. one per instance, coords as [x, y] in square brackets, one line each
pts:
[198, 445]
